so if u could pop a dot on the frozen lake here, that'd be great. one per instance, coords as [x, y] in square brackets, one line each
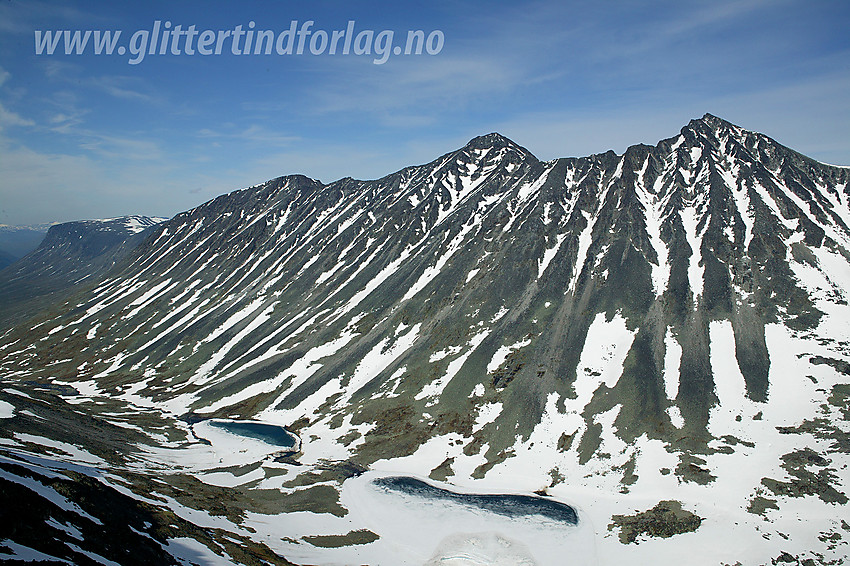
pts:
[418, 521]
[425, 522]
[275, 435]
[229, 442]
[508, 505]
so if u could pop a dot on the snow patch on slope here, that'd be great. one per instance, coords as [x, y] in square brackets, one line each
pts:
[601, 362]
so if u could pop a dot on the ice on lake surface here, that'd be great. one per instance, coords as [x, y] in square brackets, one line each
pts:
[228, 442]
[478, 549]
[426, 522]
[269, 433]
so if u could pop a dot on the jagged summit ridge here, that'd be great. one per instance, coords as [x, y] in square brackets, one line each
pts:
[646, 321]
[700, 223]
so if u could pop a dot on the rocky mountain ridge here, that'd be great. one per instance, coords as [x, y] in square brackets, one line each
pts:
[634, 322]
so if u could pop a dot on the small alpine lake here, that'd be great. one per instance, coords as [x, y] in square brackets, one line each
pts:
[235, 442]
[273, 434]
[426, 522]
[508, 505]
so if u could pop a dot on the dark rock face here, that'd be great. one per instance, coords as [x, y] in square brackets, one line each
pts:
[664, 520]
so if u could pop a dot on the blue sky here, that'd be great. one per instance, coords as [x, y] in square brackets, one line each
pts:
[86, 136]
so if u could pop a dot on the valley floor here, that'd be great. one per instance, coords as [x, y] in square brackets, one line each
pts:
[95, 480]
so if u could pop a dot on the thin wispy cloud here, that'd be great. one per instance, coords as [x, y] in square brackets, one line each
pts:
[8, 118]
[253, 133]
[67, 74]
[131, 88]
[122, 147]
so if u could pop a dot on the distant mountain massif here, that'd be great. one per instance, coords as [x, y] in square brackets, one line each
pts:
[18, 241]
[62, 256]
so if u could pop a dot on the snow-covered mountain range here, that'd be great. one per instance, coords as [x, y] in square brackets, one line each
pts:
[660, 339]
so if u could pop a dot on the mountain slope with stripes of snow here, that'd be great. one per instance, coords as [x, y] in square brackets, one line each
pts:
[670, 323]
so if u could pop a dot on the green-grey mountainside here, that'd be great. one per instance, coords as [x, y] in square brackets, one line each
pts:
[607, 321]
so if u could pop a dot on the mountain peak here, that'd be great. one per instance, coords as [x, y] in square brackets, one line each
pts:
[494, 140]
[491, 139]
[711, 122]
